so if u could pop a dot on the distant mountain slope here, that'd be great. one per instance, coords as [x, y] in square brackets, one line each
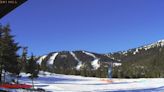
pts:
[68, 61]
[138, 53]
[144, 61]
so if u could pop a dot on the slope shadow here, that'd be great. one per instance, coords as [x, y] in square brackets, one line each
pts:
[158, 89]
[48, 80]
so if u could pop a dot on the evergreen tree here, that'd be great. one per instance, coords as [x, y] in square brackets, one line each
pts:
[32, 68]
[24, 58]
[9, 48]
[1, 63]
[18, 69]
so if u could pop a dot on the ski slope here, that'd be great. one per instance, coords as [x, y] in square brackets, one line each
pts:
[69, 83]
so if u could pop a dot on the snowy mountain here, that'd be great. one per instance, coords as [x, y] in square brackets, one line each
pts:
[95, 58]
[73, 60]
[137, 61]
[144, 61]
[145, 48]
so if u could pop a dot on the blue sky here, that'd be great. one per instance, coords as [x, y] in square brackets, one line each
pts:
[101, 26]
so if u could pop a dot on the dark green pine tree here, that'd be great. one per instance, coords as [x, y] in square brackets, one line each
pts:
[32, 68]
[24, 58]
[1, 63]
[8, 48]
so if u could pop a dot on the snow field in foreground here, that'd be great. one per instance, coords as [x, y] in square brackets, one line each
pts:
[70, 83]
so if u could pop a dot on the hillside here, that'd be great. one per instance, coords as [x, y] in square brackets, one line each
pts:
[143, 61]
[75, 62]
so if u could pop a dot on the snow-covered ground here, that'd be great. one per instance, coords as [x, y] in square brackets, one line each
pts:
[69, 83]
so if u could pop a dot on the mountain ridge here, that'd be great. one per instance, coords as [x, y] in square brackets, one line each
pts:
[159, 43]
[87, 63]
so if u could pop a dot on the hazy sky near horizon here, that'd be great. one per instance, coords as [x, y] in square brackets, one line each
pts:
[101, 26]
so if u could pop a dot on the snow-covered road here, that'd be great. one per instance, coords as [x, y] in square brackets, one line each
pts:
[70, 83]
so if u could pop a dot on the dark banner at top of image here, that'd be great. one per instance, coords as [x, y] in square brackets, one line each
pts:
[7, 6]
